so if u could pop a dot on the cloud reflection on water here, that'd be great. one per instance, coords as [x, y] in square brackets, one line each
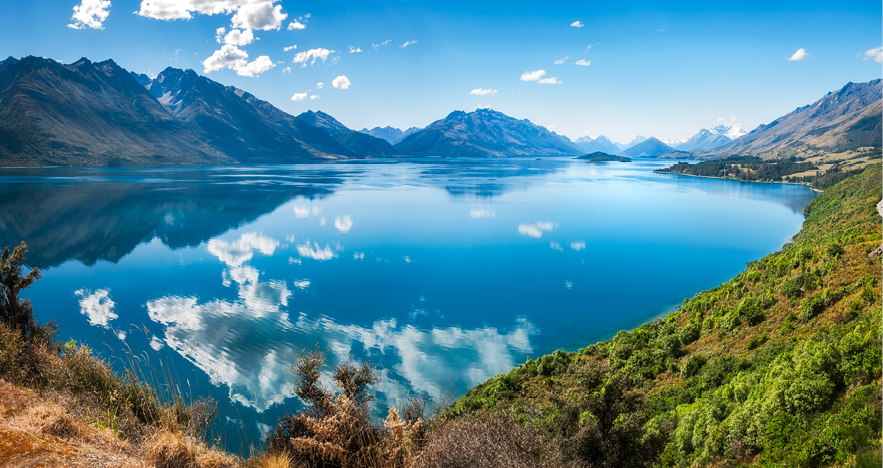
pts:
[249, 343]
[97, 306]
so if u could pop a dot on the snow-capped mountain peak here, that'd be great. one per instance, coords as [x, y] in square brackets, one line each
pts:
[729, 132]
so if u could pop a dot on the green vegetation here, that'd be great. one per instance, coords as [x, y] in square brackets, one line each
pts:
[779, 366]
[751, 168]
[818, 175]
[599, 156]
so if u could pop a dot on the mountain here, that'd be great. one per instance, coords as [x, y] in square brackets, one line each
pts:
[707, 139]
[638, 139]
[8, 61]
[99, 113]
[649, 148]
[846, 119]
[391, 134]
[484, 133]
[238, 124]
[600, 143]
[730, 132]
[674, 143]
[365, 145]
[88, 113]
[322, 120]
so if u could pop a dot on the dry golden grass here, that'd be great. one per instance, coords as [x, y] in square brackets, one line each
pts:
[37, 431]
[278, 460]
[171, 449]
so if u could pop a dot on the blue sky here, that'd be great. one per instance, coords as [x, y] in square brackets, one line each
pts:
[654, 68]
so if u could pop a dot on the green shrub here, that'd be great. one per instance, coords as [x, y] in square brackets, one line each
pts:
[553, 364]
[691, 332]
[10, 347]
[834, 250]
[749, 309]
[756, 341]
[811, 307]
[731, 321]
[791, 288]
[692, 366]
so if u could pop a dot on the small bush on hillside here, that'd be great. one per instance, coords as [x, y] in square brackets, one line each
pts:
[691, 366]
[691, 332]
[811, 307]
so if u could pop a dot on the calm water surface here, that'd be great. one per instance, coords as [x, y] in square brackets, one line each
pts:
[444, 272]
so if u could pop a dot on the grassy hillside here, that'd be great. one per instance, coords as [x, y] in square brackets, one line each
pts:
[779, 366]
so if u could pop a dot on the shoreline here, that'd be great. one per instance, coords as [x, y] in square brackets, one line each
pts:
[740, 180]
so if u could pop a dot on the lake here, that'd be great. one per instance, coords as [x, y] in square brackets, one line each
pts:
[442, 272]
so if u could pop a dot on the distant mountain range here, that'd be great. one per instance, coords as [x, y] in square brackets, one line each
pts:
[390, 134]
[99, 113]
[485, 133]
[705, 139]
[598, 144]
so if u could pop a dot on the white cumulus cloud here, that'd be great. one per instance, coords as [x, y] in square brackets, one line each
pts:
[264, 16]
[286, 70]
[560, 61]
[239, 38]
[532, 76]
[576, 24]
[341, 82]
[228, 56]
[577, 245]
[258, 66]
[291, 47]
[298, 97]
[234, 58]
[355, 50]
[483, 92]
[90, 14]
[314, 97]
[799, 56]
[875, 54]
[320, 85]
[97, 306]
[406, 44]
[313, 54]
[583, 62]
[296, 25]
[551, 80]
[184, 9]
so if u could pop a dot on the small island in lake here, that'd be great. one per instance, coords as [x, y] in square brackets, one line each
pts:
[599, 156]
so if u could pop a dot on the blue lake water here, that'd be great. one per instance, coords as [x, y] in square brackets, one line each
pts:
[443, 272]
